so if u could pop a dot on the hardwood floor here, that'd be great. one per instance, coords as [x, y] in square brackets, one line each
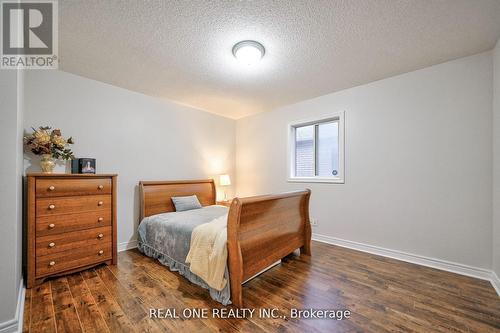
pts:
[383, 295]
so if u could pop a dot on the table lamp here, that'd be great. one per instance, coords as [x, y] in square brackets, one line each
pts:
[224, 180]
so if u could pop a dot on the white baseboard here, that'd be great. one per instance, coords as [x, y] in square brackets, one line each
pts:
[16, 324]
[126, 246]
[476, 272]
[495, 281]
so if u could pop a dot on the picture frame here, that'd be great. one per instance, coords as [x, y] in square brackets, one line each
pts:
[83, 166]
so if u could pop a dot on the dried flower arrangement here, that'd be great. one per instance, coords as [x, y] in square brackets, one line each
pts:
[44, 141]
[50, 144]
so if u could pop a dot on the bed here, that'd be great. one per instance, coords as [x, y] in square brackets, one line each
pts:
[260, 230]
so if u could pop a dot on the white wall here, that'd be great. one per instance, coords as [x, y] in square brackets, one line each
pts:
[136, 136]
[496, 160]
[418, 174]
[11, 113]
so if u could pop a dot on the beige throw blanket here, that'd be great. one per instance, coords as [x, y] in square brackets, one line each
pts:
[208, 252]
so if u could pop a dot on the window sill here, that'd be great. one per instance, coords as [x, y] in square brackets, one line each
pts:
[315, 180]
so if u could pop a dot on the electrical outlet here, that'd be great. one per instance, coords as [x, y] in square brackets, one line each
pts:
[314, 222]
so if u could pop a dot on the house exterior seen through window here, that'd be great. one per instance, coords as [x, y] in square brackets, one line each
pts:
[317, 150]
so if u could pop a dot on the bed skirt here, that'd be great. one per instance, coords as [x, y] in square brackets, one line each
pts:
[223, 296]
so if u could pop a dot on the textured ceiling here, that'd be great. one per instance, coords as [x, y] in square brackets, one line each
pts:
[181, 50]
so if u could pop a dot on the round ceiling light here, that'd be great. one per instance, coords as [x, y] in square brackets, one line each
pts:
[248, 52]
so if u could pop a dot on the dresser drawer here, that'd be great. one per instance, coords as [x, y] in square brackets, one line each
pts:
[72, 240]
[56, 224]
[53, 187]
[66, 205]
[66, 260]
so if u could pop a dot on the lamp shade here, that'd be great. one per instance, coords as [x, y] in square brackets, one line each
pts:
[224, 180]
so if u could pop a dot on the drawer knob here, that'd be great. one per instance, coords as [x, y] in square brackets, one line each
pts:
[100, 203]
[52, 188]
[100, 219]
[100, 187]
[52, 206]
[52, 225]
[52, 244]
[100, 252]
[52, 263]
[100, 236]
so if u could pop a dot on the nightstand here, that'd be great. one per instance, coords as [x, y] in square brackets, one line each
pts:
[226, 203]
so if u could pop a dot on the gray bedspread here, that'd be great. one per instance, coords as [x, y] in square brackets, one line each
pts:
[167, 237]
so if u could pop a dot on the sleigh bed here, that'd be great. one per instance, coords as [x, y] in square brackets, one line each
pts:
[260, 230]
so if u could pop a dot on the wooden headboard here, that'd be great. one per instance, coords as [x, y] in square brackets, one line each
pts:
[156, 196]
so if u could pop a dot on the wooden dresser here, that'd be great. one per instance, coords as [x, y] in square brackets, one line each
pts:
[70, 225]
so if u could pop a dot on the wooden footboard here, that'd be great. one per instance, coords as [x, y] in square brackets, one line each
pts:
[261, 230]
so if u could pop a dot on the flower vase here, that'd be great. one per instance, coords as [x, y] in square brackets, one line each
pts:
[47, 163]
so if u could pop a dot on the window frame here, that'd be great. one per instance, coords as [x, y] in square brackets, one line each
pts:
[331, 117]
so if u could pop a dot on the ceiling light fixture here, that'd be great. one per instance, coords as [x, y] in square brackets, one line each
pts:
[248, 52]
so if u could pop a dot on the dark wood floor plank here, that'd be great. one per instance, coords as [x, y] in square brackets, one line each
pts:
[136, 312]
[134, 288]
[112, 313]
[383, 295]
[90, 317]
[157, 296]
[193, 296]
[67, 320]
[42, 309]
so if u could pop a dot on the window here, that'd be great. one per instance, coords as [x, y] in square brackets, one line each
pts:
[316, 150]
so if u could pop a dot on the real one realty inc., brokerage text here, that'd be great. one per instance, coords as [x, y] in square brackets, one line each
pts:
[270, 313]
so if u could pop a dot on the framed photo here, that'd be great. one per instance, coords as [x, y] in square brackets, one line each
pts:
[83, 165]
